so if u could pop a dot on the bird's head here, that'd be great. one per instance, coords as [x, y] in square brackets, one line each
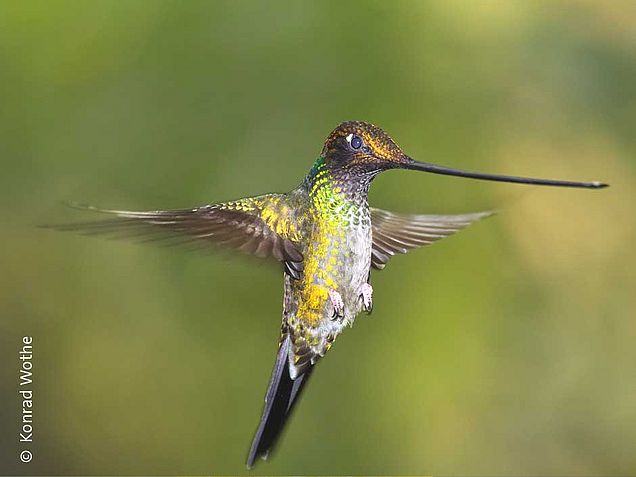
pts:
[360, 149]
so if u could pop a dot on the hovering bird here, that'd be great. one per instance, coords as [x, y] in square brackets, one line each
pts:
[328, 239]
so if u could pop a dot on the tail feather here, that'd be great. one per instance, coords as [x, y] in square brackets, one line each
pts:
[282, 394]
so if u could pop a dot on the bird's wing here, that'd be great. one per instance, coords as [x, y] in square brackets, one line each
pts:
[261, 226]
[398, 233]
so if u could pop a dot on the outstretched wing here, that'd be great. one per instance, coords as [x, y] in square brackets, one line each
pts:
[398, 233]
[261, 226]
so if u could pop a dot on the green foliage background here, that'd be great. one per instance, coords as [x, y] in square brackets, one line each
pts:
[508, 349]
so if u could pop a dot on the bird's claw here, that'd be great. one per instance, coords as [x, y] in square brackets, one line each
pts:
[337, 303]
[366, 295]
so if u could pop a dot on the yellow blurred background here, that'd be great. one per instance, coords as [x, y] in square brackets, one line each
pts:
[508, 349]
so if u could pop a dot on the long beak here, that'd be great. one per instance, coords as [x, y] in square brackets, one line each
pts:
[426, 167]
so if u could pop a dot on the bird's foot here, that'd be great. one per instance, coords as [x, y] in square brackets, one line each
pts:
[366, 295]
[338, 304]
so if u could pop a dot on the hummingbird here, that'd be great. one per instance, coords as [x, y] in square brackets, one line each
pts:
[327, 238]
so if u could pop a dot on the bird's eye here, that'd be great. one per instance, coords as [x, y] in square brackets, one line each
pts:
[354, 141]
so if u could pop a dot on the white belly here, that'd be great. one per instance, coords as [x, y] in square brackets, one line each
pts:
[357, 262]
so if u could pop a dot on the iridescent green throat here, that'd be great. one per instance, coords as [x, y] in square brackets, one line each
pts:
[336, 187]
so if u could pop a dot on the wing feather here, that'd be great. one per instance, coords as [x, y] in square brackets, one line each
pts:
[239, 225]
[395, 233]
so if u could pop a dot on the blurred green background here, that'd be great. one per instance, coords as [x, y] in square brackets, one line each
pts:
[507, 349]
